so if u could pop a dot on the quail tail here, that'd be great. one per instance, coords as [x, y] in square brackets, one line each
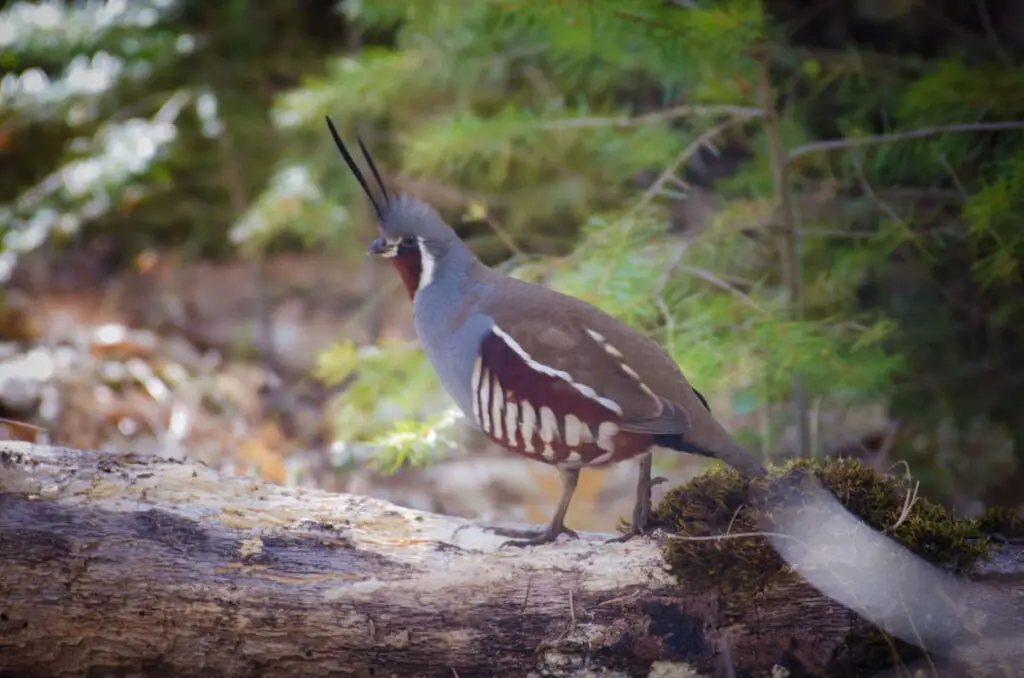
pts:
[719, 444]
[710, 440]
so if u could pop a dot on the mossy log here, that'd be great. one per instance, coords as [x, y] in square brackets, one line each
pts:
[138, 566]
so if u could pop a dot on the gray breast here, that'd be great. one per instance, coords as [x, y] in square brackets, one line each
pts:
[451, 350]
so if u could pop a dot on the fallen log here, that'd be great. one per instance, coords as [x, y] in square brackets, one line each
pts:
[140, 566]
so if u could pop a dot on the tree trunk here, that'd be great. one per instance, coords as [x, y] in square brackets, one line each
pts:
[137, 566]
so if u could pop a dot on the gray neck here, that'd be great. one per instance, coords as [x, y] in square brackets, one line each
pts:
[453, 268]
[448, 321]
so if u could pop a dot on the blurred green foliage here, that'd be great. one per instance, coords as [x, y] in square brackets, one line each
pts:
[144, 121]
[549, 122]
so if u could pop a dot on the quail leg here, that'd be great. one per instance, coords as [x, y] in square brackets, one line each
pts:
[557, 526]
[642, 507]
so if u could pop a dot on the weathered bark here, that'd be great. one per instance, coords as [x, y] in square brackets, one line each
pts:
[131, 566]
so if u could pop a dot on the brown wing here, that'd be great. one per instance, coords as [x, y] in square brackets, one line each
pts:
[559, 331]
[598, 351]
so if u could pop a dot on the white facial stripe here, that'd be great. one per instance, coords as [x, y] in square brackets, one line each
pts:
[544, 369]
[426, 265]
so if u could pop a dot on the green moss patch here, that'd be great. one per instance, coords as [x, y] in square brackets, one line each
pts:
[1004, 522]
[720, 502]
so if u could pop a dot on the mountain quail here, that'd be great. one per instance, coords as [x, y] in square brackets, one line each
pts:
[542, 374]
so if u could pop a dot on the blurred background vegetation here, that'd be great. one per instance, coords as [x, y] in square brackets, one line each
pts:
[817, 206]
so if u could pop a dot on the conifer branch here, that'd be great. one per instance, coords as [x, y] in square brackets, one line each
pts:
[710, 277]
[665, 176]
[993, 37]
[657, 116]
[785, 219]
[669, 172]
[857, 142]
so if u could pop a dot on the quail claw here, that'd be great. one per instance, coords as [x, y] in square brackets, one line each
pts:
[621, 539]
[534, 538]
[632, 532]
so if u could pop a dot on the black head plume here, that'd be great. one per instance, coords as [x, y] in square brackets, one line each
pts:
[355, 170]
[373, 168]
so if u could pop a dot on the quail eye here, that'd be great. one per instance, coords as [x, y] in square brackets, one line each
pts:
[407, 241]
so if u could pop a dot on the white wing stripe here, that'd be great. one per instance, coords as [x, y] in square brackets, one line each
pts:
[544, 369]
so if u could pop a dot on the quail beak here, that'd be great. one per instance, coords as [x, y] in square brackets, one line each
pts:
[381, 247]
